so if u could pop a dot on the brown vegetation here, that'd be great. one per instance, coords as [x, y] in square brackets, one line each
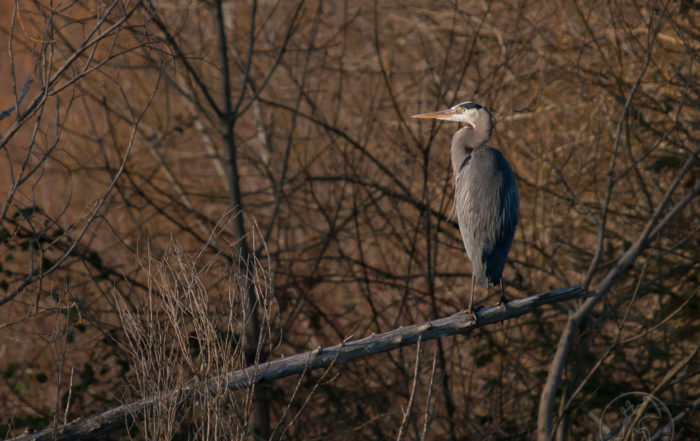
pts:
[258, 159]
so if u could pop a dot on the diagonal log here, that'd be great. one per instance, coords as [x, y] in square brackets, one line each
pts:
[459, 323]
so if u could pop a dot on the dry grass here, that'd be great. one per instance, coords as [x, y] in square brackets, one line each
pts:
[187, 329]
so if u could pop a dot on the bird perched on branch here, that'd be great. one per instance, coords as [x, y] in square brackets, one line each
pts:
[486, 197]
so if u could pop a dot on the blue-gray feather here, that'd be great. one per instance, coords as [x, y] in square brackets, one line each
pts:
[486, 201]
[508, 219]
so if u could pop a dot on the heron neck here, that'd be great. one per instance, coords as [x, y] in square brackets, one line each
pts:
[463, 142]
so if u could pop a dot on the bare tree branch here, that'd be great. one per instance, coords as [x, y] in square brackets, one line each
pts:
[651, 231]
[458, 323]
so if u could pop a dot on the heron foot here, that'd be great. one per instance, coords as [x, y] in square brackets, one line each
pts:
[472, 312]
[503, 304]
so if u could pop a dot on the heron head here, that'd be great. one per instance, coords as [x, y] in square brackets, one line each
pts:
[470, 113]
[477, 118]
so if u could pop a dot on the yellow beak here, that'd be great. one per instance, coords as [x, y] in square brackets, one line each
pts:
[445, 115]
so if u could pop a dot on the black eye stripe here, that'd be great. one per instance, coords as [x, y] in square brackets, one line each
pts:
[470, 105]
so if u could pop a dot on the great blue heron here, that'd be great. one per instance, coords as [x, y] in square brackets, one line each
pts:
[486, 197]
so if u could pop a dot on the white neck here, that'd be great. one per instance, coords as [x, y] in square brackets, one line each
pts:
[463, 142]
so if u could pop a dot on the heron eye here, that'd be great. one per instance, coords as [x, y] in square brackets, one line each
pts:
[461, 110]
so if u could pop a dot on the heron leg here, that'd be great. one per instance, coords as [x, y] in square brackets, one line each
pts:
[469, 310]
[471, 297]
[503, 302]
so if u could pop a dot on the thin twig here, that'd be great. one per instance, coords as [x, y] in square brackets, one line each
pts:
[427, 418]
[414, 386]
[70, 393]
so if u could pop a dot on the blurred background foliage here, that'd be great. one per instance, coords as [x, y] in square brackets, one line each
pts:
[120, 147]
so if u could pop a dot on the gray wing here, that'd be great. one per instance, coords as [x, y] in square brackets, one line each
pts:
[495, 259]
[486, 201]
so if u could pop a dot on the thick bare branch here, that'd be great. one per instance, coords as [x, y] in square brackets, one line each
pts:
[651, 231]
[458, 323]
